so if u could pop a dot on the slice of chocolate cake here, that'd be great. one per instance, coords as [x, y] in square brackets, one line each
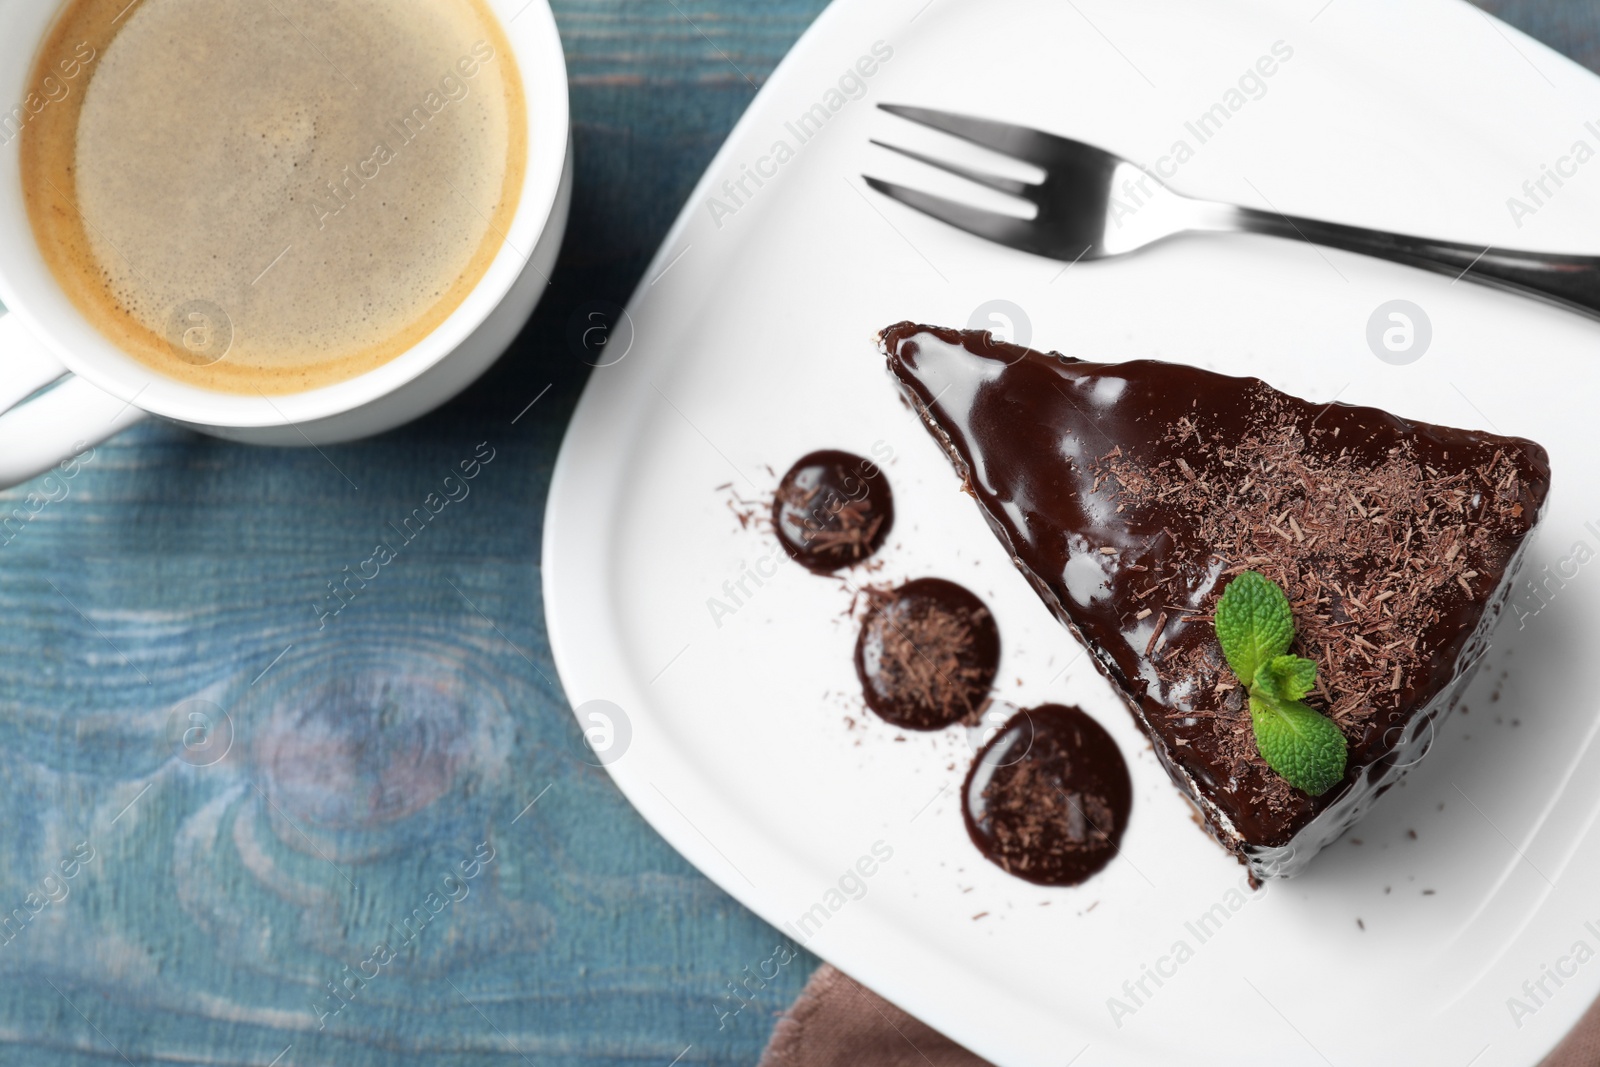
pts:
[1131, 494]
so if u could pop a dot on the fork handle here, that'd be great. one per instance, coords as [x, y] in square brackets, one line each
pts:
[1569, 281]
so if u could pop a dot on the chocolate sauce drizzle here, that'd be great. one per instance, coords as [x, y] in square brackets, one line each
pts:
[1047, 798]
[927, 654]
[832, 510]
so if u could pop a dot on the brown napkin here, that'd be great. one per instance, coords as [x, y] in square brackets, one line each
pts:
[1581, 1047]
[838, 1021]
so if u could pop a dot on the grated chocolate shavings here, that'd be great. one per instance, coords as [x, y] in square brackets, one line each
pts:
[1371, 553]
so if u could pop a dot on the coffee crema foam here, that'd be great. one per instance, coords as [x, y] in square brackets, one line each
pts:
[271, 197]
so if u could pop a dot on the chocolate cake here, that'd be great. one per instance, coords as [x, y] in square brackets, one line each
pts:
[1130, 494]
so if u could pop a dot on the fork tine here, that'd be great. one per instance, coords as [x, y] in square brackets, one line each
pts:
[990, 225]
[991, 181]
[1019, 142]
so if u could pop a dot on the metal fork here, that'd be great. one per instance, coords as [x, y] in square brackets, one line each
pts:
[1092, 204]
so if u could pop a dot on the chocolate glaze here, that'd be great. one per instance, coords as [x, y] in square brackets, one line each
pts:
[927, 654]
[1030, 434]
[1048, 796]
[833, 509]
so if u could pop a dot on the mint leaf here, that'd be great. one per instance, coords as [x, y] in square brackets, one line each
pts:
[1287, 677]
[1255, 627]
[1254, 624]
[1299, 743]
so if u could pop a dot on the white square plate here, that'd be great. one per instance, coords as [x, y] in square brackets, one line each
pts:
[1430, 934]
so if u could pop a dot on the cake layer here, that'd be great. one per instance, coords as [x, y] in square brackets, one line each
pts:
[1130, 494]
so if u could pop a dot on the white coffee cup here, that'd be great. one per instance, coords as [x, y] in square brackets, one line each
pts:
[99, 391]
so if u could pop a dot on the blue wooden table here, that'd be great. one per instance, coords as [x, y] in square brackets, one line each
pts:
[241, 828]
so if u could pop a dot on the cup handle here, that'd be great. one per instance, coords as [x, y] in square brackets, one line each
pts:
[40, 429]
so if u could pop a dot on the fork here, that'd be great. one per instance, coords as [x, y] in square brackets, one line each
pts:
[1093, 205]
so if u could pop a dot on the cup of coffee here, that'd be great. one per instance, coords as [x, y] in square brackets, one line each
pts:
[276, 221]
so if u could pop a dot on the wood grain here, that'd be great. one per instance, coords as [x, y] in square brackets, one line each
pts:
[391, 740]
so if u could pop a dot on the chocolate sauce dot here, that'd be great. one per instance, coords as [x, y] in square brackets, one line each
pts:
[927, 654]
[1048, 796]
[832, 509]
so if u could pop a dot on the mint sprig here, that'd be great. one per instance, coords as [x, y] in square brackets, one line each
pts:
[1255, 627]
